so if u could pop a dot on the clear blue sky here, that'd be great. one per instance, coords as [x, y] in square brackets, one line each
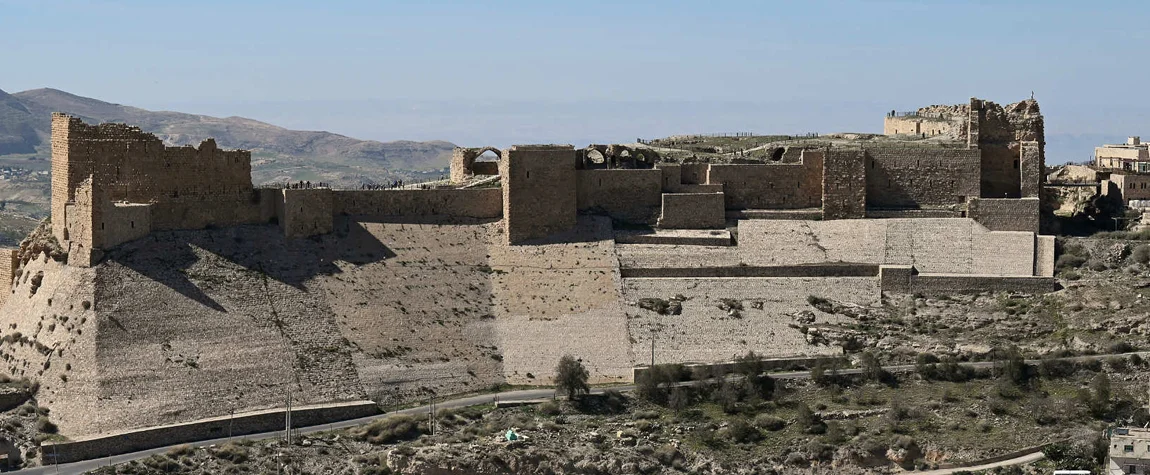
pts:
[782, 66]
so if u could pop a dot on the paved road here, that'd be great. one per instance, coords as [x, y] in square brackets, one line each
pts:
[1005, 463]
[509, 396]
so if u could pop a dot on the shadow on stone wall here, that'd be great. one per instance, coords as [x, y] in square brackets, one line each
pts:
[167, 256]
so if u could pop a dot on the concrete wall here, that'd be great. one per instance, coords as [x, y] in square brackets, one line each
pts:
[539, 191]
[241, 424]
[912, 177]
[306, 212]
[693, 211]
[633, 195]
[844, 185]
[1005, 214]
[469, 203]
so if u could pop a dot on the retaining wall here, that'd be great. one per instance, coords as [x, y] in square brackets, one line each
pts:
[217, 427]
[693, 211]
[1005, 214]
[818, 270]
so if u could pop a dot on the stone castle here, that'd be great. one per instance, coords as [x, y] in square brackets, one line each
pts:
[113, 183]
[168, 276]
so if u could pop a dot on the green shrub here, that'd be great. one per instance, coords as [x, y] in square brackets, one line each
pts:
[232, 452]
[740, 432]
[769, 422]
[390, 430]
[46, 426]
[549, 408]
[1141, 254]
[1069, 261]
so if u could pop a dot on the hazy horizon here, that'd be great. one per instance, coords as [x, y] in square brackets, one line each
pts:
[523, 72]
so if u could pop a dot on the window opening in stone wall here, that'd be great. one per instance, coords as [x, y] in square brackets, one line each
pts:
[132, 224]
[1016, 164]
[101, 226]
[777, 154]
[528, 175]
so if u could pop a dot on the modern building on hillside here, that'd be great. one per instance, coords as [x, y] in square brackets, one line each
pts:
[1132, 155]
[1129, 451]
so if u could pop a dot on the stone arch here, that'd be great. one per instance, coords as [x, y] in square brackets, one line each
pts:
[480, 151]
[596, 157]
[463, 162]
[777, 154]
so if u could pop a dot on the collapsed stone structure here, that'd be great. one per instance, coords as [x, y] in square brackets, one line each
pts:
[169, 276]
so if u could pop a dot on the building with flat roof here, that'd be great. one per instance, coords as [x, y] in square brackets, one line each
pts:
[1129, 451]
[1132, 155]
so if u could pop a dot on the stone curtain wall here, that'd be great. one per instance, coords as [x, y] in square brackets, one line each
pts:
[539, 191]
[1005, 214]
[912, 177]
[777, 186]
[844, 184]
[632, 195]
[693, 211]
[307, 212]
[465, 203]
[124, 222]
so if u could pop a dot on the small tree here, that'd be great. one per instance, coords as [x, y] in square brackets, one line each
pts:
[571, 377]
[1100, 402]
[871, 368]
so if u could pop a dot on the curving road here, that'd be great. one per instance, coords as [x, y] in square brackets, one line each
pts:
[511, 396]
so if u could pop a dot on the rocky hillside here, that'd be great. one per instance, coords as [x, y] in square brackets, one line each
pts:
[25, 124]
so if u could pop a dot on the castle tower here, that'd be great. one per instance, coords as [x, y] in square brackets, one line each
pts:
[538, 191]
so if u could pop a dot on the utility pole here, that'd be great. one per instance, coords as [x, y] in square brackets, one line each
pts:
[652, 348]
[287, 419]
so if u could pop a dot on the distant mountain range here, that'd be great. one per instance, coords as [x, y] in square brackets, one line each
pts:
[278, 153]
